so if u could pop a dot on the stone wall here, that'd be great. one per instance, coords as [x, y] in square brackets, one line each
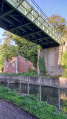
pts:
[44, 81]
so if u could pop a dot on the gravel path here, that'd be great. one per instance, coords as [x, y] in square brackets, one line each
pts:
[10, 111]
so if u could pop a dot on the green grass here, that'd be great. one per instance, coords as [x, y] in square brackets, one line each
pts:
[29, 103]
[28, 74]
[18, 74]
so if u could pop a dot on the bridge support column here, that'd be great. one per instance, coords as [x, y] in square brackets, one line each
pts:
[53, 60]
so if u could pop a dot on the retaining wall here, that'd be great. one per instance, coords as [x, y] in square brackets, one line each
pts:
[44, 81]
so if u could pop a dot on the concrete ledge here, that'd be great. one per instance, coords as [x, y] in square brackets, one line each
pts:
[44, 81]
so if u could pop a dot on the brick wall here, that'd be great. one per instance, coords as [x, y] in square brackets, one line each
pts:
[17, 63]
[24, 65]
[10, 65]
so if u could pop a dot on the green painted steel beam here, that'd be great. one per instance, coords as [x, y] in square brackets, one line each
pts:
[9, 21]
[45, 38]
[22, 29]
[7, 13]
[29, 27]
[19, 26]
[28, 34]
[12, 16]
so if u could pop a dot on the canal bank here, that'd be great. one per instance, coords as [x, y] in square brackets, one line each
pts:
[44, 88]
[35, 80]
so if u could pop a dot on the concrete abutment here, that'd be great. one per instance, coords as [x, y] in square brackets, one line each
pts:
[53, 59]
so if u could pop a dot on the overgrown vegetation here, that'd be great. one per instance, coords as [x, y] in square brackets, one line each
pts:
[42, 65]
[64, 106]
[29, 74]
[29, 103]
[64, 63]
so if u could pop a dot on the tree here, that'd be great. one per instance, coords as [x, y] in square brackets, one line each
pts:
[9, 51]
[27, 49]
[1, 62]
[58, 23]
[6, 51]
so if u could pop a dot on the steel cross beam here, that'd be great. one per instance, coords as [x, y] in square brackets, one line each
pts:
[7, 20]
[7, 13]
[31, 33]
[20, 26]
[43, 38]
[12, 16]
[2, 3]
[50, 42]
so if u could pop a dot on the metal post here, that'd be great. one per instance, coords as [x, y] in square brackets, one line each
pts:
[40, 93]
[38, 69]
[7, 84]
[59, 99]
[40, 88]
[20, 87]
[16, 64]
[28, 88]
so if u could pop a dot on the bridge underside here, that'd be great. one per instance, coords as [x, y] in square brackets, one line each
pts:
[13, 21]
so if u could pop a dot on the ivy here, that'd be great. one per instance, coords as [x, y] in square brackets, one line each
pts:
[42, 65]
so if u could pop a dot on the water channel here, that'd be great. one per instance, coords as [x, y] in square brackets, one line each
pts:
[52, 95]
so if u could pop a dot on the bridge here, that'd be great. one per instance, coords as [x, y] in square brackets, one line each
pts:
[26, 19]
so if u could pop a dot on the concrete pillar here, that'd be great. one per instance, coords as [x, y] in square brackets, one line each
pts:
[38, 70]
[40, 91]
[28, 87]
[4, 66]
[53, 59]
[16, 64]
[59, 99]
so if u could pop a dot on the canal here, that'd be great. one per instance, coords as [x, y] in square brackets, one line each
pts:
[54, 96]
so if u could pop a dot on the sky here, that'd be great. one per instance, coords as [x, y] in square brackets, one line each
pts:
[50, 7]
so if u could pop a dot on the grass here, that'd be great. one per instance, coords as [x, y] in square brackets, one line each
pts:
[29, 103]
[18, 74]
[29, 74]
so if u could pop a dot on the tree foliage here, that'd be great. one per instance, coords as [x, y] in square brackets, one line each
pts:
[24, 47]
[6, 51]
[64, 60]
[58, 23]
[27, 49]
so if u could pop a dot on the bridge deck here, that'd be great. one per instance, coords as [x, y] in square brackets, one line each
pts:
[19, 17]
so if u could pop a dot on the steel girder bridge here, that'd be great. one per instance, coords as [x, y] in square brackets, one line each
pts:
[26, 19]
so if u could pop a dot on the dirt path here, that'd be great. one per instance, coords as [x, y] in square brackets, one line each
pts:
[10, 111]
